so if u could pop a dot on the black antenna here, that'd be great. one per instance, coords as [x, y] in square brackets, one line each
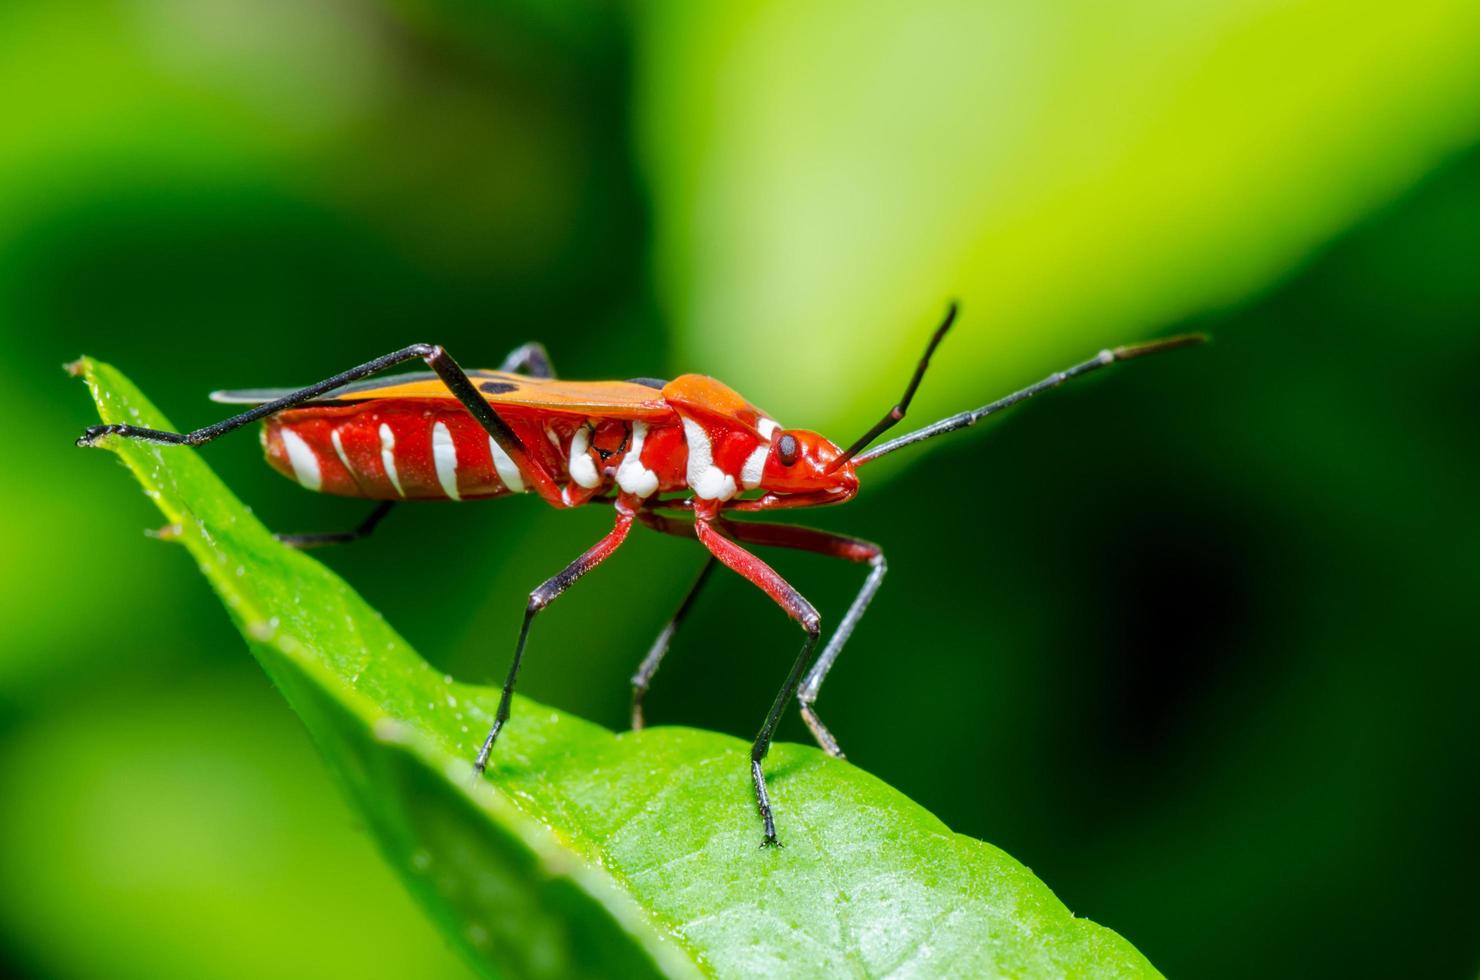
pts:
[896, 413]
[965, 419]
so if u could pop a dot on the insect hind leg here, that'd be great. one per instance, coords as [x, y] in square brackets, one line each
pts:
[205, 434]
[452, 375]
[319, 540]
[529, 359]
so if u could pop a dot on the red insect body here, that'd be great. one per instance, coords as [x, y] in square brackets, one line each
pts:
[384, 451]
[697, 435]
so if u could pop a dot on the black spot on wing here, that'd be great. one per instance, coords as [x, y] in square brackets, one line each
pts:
[658, 383]
[497, 387]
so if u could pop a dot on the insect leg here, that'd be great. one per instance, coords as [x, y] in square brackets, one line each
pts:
[797, 608]
[835, 546]
[530, 359]
[207, 433]
[538, 600]
[436, 358]
[818, 542]
[339, 537]
[654, 658]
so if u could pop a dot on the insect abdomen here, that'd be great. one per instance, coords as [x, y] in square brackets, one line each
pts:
[390, 450]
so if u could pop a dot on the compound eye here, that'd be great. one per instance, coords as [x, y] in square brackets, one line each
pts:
[786, 450]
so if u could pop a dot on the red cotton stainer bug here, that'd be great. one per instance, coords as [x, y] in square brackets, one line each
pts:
[466, 435]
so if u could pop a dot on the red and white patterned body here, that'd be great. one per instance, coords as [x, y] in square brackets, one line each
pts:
[404, 440]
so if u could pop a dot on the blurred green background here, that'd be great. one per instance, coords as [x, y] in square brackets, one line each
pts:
[1195, 640]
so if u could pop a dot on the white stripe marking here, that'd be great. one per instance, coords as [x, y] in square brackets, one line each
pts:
[705, 479]
[388, 457]
[750, 473]
[444, 454]
[503, 463]
[632, 476]
[582, 469]
[554, 437]
[767, 428]
[305, 463]
[339, 451]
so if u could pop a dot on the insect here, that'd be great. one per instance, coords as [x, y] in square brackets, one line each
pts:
[649, 448]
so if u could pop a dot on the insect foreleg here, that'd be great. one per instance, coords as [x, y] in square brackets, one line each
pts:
[834, 546]
[799, 539]
[339, 537]
[654, 658]
[529, 359]
[799, 609]
[541, 597]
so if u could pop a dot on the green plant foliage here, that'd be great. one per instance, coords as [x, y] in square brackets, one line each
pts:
[817, 181]
[589, 853]
[199, 838]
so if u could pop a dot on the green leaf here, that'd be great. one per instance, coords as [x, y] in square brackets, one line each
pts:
[590, 853]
